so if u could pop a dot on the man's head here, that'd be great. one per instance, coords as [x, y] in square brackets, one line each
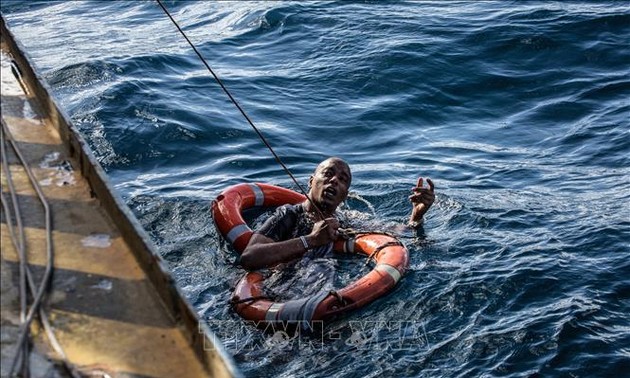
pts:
[330, 183]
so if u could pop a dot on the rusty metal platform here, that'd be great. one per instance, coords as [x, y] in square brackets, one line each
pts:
[113, 305]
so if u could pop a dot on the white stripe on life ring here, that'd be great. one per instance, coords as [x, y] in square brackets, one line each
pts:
[260, 196]
[237, 231]
[393, 272]
[348, 246]
[272, 313]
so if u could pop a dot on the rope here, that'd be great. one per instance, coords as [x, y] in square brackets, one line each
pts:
[21, 250]
[234, 302]
[22, 340]
[260, 135]
[380, 248]
[43, 317]
[348, 233]
[339, 297]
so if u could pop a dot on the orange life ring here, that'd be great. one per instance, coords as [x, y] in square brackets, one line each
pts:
[226, 209]
[391, 257]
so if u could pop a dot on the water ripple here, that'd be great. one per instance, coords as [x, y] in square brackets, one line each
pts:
[518, 113]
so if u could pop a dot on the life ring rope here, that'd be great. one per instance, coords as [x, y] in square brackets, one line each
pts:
[379, 249]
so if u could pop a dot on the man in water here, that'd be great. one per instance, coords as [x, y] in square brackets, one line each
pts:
[296, 230]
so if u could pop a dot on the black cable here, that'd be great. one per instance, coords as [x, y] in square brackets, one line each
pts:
[260, 135]
[46, 280]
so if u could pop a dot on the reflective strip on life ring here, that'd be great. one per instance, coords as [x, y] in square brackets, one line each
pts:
[348, 246]
[392, 258]
[271, 315]
[236, 232]
[393, 272]
[258, 194]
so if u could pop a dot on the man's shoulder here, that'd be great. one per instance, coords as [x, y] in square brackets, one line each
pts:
[290, 209]
[278, 226]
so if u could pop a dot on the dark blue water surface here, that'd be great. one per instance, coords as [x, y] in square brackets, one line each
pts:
[519, 112]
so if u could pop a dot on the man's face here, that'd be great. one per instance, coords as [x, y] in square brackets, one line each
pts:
[330, 183]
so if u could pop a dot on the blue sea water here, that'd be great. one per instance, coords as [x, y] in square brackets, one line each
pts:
[518, 111]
